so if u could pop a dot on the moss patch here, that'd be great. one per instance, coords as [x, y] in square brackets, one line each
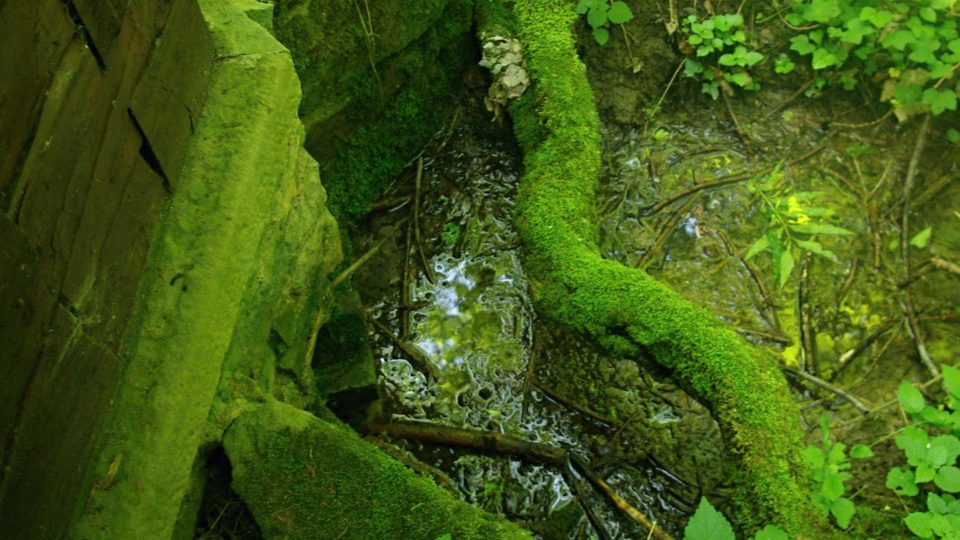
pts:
[625, 309]
[307, 478]
[242, 245]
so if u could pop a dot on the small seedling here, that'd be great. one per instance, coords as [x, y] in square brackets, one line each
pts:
[601, 13]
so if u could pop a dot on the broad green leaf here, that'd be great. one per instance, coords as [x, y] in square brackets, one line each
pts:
[708, 524]
[739, 78]
[861, 451]
[582, 6]
[902, 482]
[922, 238]
[619, 12]
[821, 11]
[691, 67]
[913, 441]
[786, 266]
[832, 487]
[919, 524]
[602, 35]
[802, 45]
[924, 472]
[936, 504]
[771, 532]
[948, 448]
[928, 14]
[878, 18]
[910, 398]
[813, 457]
[940, 100]
[597, 16]
[951, 379]
[898, 40]
[445, 536]
[822, 59]
[761, 244]
[843, 510]
[948, 479]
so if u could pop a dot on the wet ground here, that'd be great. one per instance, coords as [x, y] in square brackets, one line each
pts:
[449, 283]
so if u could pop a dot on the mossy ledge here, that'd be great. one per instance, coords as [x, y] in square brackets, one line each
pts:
[625, 309]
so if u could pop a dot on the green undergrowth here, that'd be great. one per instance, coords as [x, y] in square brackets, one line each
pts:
[626, 310]
[364, 125]
[304, 477]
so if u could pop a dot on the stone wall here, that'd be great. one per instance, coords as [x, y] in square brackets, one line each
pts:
[162, 235]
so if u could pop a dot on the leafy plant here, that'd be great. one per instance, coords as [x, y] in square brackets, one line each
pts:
[931, 447]
[709, 524]
[720, 44]
[912, 46]
[601, 13]
[793, 224]
[827, 467]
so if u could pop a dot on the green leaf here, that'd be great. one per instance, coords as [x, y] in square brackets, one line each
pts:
[582, 6]
[821, 11]
[832, 487]
[922, 238]
[913, 441]
[814, 457]
[761, 244]
[898, 40]
[843, 510]
[861, 451]
[602, 35]
[940, 100]
[786, 267]
[817, 249]
[936, 504]
[740, 78]
[711, 89]
[822, 59]
[953, 135]
[708, 524]
[928, 14]
[802, 45]
[910, 398]
[919, 524]
[445, 536]
[597, 16]
[951, 379]
[902, 481]
[819, 228]
[771, 532]
[948, 479]
[878, 18]
[619, 12]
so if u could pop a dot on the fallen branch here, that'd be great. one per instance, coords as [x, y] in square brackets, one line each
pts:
[488, 441]
[828, 387]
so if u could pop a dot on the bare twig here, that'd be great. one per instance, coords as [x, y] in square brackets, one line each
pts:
[628, 509]
[727, 180]
[413, 355]
[666, 230]
[913, 327]
[828, 387]
[416, 223]
[363, 259]
[783, 104]
[489, 441]
[744, 138]
[848, 357]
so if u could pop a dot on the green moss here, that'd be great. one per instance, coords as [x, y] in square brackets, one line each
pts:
[557, 126]
[303, 477]
[244, 239]
[386, 125]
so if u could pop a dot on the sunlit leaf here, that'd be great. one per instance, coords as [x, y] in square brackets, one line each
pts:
[708, 524]
[910, 398]
[922, 238]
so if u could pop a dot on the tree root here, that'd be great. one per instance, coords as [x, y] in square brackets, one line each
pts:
[624, 309]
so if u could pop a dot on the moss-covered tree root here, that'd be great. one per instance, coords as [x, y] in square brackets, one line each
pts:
[303, 477]
[626, 310]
